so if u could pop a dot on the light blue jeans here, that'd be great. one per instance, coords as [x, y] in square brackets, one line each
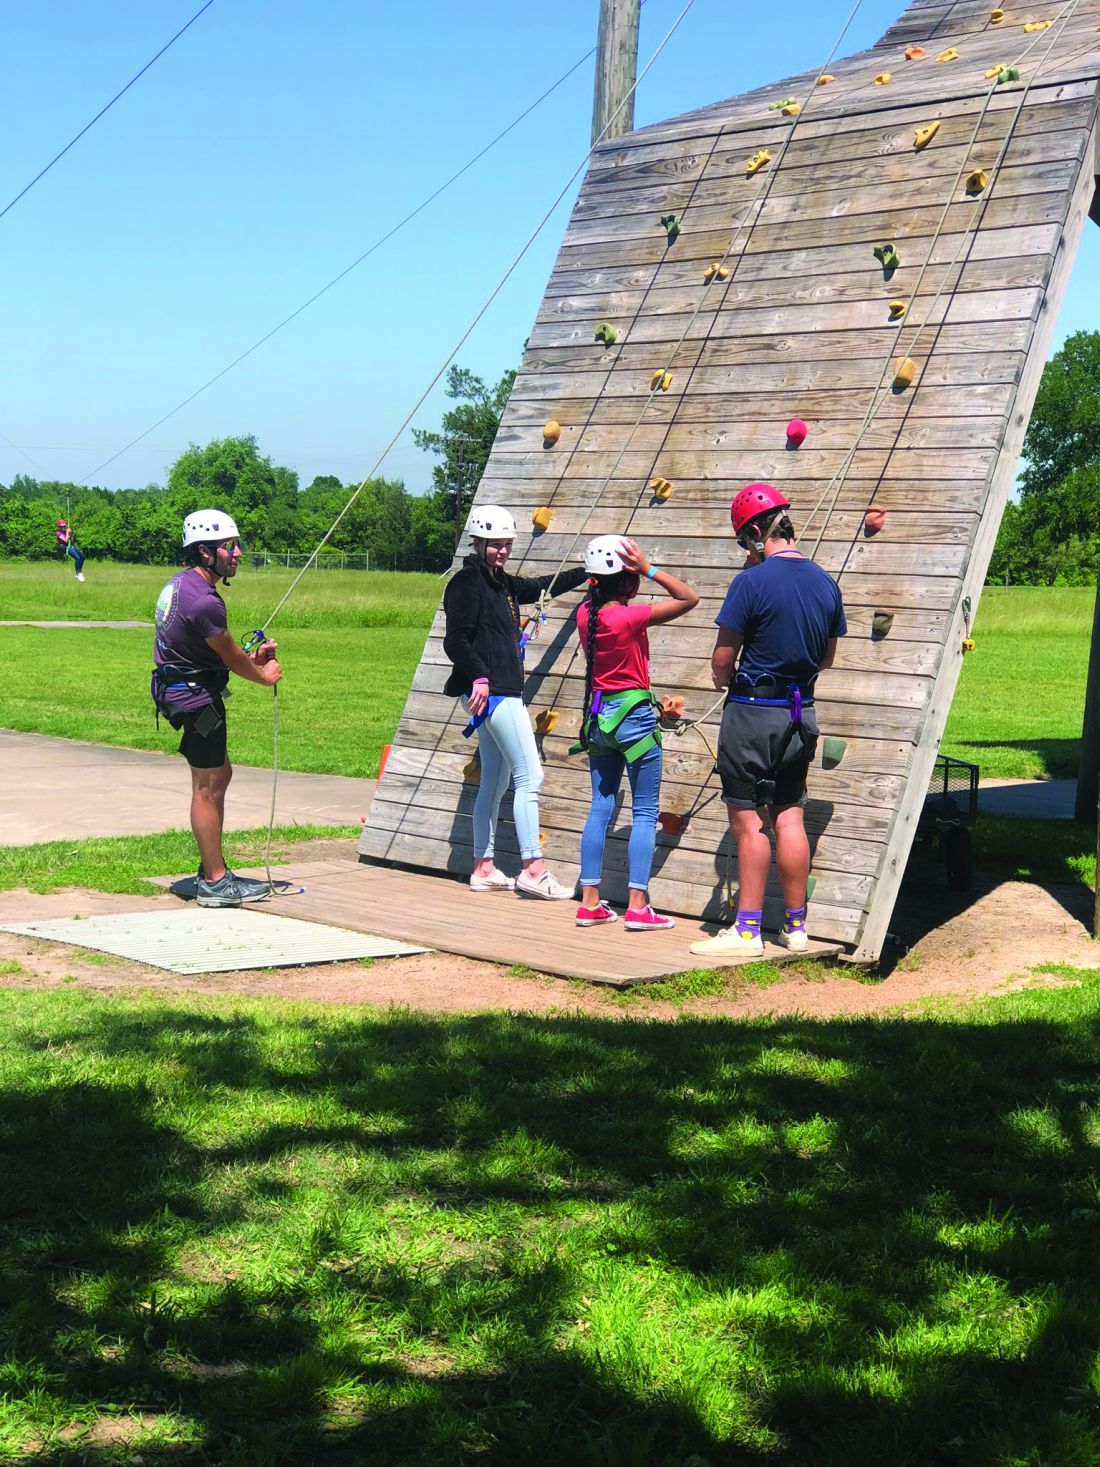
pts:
[606, 767]
[506, 742]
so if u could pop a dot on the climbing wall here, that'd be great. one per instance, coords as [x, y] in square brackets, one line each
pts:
[984, 217]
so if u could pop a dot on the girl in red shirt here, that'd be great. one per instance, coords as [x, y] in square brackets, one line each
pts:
[619, 723]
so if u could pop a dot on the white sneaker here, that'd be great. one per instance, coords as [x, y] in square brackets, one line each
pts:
[80, 575]
[795, 940]
[495, 881]
[729, 944]
[546, 886]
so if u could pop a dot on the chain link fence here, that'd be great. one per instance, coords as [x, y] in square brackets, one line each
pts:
[327, 560]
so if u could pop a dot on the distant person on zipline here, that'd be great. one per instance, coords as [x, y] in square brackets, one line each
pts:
[777, 629]
[484, 641]
[194, 655]
[68, 546]
[619, 729]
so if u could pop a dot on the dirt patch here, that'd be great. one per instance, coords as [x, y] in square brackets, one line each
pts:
[945, 947]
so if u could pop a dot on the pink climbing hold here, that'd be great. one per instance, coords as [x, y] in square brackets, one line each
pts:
[796, 432]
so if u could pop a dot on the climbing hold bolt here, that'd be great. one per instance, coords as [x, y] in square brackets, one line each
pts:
[661, 488]
[824, 80]
[914, 53]
[786, 102]
[888, 255]
[541, 517]
[949, 55]
[672, 707]
[882, 79]
[757, 161]
[996, 16]
[977, 181]
[672, 227]
[606, 333]
[1008, 73]
[897, 310]
[471, 773]
[796, 432]
[660, 381]
[545, 721]
[832, 751]
[791, 109]
[1037, 25]
[670, 823]
[551, 432]
[716, 271]
[881, 622]
[874, 519]
[922, 136]
[905, 369]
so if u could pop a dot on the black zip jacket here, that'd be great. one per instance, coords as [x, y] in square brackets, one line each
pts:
[483, 624]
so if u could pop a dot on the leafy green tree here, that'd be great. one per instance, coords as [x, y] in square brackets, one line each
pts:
[231, 474]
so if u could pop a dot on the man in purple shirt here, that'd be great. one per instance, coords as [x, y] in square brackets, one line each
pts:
[194, 655]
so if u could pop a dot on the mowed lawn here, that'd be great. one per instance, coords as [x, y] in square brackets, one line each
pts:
[351, 641]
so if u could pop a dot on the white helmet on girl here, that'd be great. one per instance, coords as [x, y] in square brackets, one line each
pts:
[491, 522]
[603, 555]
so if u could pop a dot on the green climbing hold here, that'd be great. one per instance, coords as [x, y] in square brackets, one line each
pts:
[811, 882]
[832, 752]
[786, 102]
[888, 255]
[881, 623]
[606, 333]
[671, 226]
[1008, 73]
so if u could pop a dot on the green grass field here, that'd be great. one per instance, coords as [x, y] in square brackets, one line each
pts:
[351, 641]
[244, 1234]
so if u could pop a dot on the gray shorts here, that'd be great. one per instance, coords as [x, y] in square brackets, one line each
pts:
[747, 746]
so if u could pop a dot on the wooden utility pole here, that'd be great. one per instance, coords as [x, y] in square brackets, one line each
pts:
[1088, 771]
[616, 69]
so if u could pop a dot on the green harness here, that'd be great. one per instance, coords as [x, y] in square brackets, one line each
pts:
[608, 713]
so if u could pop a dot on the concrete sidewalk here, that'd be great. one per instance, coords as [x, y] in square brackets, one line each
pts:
[53, 789]
[1039, 799]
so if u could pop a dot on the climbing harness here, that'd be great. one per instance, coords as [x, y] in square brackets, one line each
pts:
[773, 693]
[607, 714]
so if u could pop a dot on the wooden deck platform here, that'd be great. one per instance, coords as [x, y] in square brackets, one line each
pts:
[443, 913]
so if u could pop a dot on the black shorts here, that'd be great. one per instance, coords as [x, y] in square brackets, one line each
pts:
[747, 745]
[204, 735]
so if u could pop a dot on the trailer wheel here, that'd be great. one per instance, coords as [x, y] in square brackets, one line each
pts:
[958, 855]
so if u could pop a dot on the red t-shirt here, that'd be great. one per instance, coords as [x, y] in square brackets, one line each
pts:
[622, 644]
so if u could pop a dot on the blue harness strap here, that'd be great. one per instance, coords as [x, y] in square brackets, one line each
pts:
[478, 719]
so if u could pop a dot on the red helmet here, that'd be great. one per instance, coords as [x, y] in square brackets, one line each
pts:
[752, 501]
[61, 524]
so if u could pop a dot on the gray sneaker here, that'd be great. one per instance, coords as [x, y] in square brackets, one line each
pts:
[231, 891]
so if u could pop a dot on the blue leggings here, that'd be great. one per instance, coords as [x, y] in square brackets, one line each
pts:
[72, 550]
[508, 751]
[606, 767]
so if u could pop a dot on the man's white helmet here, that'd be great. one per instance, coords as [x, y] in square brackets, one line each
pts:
[603, 556]
[491, 522]
[209, 524]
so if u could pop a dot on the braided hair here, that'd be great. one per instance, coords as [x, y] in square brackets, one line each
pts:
[600, 589]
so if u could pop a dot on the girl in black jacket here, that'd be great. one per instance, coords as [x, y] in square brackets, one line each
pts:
[482, 640]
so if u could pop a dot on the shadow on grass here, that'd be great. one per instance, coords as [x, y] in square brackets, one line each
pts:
[1061, 758]
[887, 1235]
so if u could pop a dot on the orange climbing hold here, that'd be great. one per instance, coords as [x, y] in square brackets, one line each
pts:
[924, 135]
[897, 310]
[541, 517]
[824, 80]
[874, 519]
[551, 432]
[977, 181]
[757, 161]
[661, 489]
[546, 720]
[672, 707]
[905, 369]
[914, 53]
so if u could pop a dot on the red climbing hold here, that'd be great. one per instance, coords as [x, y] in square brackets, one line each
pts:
[874, 520]
[671, 824]
[796, 432]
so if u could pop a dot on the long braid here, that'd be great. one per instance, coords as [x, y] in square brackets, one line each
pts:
[592, 601]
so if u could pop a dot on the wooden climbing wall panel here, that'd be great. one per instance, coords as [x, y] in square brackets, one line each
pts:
[800, 327]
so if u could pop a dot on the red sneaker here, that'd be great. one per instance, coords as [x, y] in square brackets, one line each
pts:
[645, 919]
[595, 916]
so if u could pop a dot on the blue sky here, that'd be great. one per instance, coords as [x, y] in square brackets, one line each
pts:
[266, 150]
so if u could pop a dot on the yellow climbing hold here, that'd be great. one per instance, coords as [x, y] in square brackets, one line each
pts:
[905, 369]
[897, 310]
[541, 517]
[661, 488]
[977, 181]
[968, 644]
[715, 271]
[1037, 25]
[757, 161]
[551, 432]
[824, 80]
[996, 16]
[914, 53]
[994, 71]
[792, 109]
[660, 381]
[882, 79]
[471, 773]
[924, 135]
[949, 55]
[546, 720]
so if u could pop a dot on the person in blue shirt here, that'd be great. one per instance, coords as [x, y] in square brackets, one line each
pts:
[777, 629]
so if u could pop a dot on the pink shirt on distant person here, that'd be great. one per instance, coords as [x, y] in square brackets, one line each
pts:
[622, 644]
